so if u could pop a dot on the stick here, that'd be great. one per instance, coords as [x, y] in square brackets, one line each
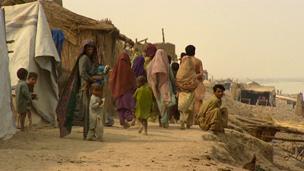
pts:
[10, 41]
[284, 139]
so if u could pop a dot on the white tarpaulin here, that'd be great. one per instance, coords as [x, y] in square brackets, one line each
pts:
[35, 50]
[7, 128]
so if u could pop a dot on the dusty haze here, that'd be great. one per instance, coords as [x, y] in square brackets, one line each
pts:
[235, 38]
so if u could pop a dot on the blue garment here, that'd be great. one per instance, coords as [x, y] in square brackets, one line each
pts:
[100, 70]
[58, 37]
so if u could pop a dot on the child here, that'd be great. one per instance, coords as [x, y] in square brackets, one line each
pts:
[96, 113]
[31, 81]
[100, 74]
[23, 96]
[144, 103]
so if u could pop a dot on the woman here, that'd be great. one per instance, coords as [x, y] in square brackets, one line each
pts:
[138, 66]
[69, 109]
[158, 75]
[122, 82]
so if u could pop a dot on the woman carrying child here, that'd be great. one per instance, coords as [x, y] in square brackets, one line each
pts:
[77, 88]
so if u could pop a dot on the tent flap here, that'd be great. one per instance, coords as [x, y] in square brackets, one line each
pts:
[35, 50]
[7, 128]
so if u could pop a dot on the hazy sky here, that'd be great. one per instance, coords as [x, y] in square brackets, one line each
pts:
[234, 38]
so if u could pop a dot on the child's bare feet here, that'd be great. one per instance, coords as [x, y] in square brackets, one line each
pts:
[140, 130]
[126, 125]
[133, 122]
[91, 139]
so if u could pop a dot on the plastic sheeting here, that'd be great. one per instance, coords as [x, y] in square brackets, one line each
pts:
[7, 128]
[35, 50]
[58, 37]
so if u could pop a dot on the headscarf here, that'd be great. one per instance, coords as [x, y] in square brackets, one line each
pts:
[151, 50]
[159, 65]
[122, 78]
[85, 44]
[138, 66]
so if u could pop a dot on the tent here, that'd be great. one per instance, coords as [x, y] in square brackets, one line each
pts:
[7, 128]
[35, 50]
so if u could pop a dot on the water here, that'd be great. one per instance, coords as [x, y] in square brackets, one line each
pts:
[288, 86]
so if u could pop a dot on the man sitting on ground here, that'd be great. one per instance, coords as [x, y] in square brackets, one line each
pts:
[211, 116]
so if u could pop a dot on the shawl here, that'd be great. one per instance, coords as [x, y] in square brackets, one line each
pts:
[186, 79]
[122, 78]
[138, 66]
[68, 98]
[158, 75]
[151, 50]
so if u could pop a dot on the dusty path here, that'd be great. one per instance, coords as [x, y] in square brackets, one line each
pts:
[163, 149]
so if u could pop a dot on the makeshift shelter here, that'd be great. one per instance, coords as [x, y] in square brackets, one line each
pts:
[34, 49]
[258, 95]
[76, 29]
[168, 47]
[7, 128]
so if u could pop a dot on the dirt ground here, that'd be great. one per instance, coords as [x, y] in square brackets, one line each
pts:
[163, 149]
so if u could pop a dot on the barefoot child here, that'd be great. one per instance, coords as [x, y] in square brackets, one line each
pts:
[144, 102]
[96, 113]
[23, 96]
[31, 81]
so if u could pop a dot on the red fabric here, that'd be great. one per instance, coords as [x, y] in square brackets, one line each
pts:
[151, 50]
[122, 77]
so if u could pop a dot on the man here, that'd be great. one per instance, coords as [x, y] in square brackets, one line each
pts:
[189, 82]
[211, 116]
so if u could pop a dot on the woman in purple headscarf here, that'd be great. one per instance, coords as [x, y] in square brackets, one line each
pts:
[138, 66]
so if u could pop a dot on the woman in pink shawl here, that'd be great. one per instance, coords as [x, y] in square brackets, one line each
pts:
[158, 75]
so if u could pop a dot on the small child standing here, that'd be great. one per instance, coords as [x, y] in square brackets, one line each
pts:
[96, 113]
[144, 103]
[23, 96]
[31, 82]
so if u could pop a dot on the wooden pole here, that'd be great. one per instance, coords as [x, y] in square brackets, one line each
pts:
[163, 33]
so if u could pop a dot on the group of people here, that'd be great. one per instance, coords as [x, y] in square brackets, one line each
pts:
[147, 86]
[24, 91]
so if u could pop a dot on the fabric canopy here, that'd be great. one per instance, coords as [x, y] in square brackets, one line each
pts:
[35, 50]
[7, 128]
